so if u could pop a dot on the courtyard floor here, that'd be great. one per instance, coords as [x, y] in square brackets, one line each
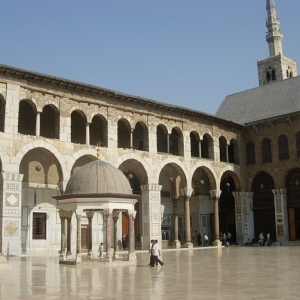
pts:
[202, 273]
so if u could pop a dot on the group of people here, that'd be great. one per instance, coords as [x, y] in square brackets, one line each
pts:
[261, 239]
[204, 242]
[154, 253]
[225, 238]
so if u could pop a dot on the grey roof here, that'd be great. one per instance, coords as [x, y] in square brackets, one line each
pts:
[98, 177]
[271, 100]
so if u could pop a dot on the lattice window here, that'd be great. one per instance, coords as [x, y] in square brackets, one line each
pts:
[283, 147]
[39, 226]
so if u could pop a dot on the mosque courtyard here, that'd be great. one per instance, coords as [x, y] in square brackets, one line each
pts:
[200, 273]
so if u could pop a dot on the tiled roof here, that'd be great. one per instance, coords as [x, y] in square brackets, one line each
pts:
[271, 100]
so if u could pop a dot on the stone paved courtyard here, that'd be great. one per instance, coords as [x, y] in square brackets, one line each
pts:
[224, 273]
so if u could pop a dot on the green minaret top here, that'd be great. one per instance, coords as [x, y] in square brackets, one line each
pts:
[270, 3]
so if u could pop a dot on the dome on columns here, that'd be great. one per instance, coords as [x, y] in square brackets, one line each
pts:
[98, 177]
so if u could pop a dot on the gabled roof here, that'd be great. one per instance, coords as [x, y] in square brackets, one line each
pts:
[271, 100]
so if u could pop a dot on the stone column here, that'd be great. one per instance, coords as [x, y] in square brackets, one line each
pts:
[168, 143]
[187, 192]
[87, 134]
[200, 154]
[78, 242]
[281, 215]
[131, 246]
[115, 219]
[107, 214]
[151, 212]
[62, 216]
[227, 154]
[131, 137]
[244, 217]
[69, 215]
[215, 196]
[176, 242]
[37, 124]
[90, 215]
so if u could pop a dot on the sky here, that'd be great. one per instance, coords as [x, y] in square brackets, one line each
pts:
[190, 53]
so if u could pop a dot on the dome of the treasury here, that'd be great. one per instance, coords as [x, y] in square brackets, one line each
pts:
[98, 177]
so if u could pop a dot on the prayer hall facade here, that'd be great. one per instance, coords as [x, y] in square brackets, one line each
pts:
[194, 173]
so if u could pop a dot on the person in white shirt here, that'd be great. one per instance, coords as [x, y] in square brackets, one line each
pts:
[155, 254]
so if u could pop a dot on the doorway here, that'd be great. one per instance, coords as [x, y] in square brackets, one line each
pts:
[84, 237]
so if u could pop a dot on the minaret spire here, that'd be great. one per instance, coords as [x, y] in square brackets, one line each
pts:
[274, 36]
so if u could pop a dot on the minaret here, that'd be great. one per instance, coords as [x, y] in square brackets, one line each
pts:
[277, 66]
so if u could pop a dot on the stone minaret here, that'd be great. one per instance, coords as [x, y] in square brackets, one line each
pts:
[276, 66]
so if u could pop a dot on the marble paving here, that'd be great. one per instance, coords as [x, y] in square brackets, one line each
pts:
[211, 273]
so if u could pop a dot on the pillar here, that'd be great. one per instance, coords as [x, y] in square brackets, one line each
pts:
[107, 214]
[87, 134]
[78, 240]
[168, 143]
[200, 154]
[227, 154]
[131, 137]
[244, 218]
[115, 219]
[62, 216]
[131, 246]
[215, 196]
[187, 192]
[37, 124]
[90, 216]
[69, 215]
[176, 242]
[151, 212]
[281, 216]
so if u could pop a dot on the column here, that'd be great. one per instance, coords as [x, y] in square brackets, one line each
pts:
[107, 214]
[215, 196]
[281, 216]
[187, 192]
[69, 215]
[62, 216]
[37, 124]
[115, 219]
[78, 241]
[151, 214]
[244, 219]
[131, 137]
[131, 246]
[168, 143]
[90, 216]
[227, 154]
[87, 134]
[176, 242]
[200, 154]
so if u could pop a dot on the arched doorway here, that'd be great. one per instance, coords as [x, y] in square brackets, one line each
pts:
[293, 203]
[263, 205]
[227, 206]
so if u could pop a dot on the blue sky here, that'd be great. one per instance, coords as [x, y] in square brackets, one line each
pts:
[184, 52]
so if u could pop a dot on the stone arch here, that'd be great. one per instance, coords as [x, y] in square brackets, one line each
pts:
[80, 162]
[207, 149]
[141, 136]
[176, 141]
[124, 133]
[27, 117]
[161, 138]
[229, 172]
[194, 142]
[223, 149]
[233, 156]
[78, 126]
[98, 130]
[49, 122]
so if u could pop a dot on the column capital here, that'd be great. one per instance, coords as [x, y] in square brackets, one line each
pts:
[69, 214]
[90, 214]
[215, 194]
[186, 192]
[131, 213]
[78, 212]
[62, 213]
[278, 192]
[107, 211]
[11, 176]
[151, 187]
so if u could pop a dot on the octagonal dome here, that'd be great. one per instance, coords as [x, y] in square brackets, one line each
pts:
[98, 177]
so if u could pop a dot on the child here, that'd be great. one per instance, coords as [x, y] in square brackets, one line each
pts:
[100, 250]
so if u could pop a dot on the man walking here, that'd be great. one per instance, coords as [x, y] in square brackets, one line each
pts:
[156, 253]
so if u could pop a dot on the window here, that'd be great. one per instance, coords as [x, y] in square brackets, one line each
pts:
[283, 147]
[250, 152]
[298, 144]
[39, 226]
[266, 151]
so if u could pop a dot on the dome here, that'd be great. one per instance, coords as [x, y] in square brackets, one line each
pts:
[98, 177]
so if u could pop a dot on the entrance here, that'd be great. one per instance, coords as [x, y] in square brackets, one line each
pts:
[84, 237]
[264, 220]
[294, 223]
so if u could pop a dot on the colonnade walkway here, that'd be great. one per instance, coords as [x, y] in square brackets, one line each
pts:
[201, 273]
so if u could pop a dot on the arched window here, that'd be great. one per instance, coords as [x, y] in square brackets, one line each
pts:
[140, 137]
[266, 151]
[161, 139]
[273, 75]
[250, 153]
[27, 117]
[98, 131]
[50, 122]
[78, 127]
[2, 113]
[194, 139]
[298, 143]
[223, 149]
[283, 147]
[123, 134]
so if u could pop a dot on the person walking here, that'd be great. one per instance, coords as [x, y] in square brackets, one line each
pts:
[100, 250]
[205, 243]
[228, 237]
[224, 239]
[150, 251]
[261, 238]
[268, 242]
[156, 252]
